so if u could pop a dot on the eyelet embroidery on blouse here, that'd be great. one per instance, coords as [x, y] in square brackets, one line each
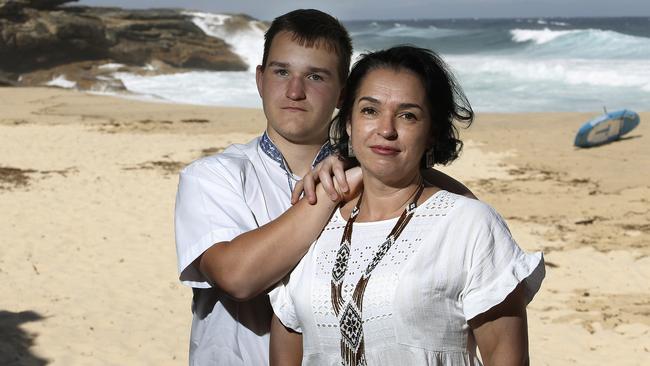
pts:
[380, 291]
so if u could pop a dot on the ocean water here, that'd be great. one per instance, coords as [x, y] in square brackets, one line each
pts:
[503, 65]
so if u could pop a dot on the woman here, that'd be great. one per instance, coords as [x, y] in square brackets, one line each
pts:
[407, 273]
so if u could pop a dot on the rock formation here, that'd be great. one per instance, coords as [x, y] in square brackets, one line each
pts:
[39, 38]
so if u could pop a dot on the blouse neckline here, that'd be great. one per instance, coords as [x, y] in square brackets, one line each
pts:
[339, 217]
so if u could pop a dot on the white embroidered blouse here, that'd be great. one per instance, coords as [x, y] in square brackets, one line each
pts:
[455, 260]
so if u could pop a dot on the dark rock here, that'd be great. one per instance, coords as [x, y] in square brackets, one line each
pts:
[47, 4]
[171, 38]
[8, 79]
[37, 41]
[51, 38]
[16, 6]
[10, 8]
[238, 22]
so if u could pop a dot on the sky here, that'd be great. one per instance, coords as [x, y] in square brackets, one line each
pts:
[402, 9]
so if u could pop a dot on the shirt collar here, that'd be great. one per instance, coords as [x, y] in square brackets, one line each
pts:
[272, 151]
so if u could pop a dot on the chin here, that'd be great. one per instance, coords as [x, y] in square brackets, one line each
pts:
[301, 135]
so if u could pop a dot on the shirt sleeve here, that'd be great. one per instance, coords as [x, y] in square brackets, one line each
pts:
[497, 266]
[210, 208]
[291, 295]
[283, 306]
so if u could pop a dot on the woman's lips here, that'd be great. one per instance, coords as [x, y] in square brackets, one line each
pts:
[384, 150]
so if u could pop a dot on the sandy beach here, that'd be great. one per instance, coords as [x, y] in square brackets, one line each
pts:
[87, 259]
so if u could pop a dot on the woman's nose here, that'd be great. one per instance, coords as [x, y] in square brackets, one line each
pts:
[387, 128]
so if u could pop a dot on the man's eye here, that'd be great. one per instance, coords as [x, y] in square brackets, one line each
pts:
[315, 77]
[281, 72]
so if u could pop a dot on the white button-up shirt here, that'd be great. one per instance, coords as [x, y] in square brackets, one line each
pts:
[219, 198]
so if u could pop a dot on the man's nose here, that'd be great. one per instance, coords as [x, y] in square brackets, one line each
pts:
[296, 89]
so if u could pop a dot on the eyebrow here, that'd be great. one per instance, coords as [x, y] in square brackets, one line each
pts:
[286, 65]
[320, 70]
[278, 64]
[401, 106]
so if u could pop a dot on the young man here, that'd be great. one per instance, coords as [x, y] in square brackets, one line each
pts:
[236, 231]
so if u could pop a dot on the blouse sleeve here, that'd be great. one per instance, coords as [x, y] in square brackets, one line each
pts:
[287, 298]
[497, 265]
[283, 306]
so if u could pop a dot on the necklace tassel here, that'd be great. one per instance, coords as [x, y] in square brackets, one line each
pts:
[349, 313]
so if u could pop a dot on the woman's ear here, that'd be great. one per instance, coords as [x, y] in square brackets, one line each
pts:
[348, 129]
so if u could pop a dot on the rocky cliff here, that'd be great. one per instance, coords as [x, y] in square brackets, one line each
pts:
[40, 39]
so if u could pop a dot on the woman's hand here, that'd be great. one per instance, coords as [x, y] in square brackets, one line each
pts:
[336, 182]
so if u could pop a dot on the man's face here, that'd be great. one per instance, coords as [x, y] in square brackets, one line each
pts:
[299, 88]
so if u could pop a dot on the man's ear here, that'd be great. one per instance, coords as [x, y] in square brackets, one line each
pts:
[259, 73]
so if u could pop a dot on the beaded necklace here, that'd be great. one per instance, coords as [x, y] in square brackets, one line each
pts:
[349, 313]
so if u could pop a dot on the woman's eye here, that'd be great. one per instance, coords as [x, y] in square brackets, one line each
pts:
[368, 111]
[409, 116]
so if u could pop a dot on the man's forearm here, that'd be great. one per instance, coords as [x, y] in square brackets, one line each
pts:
[252, 262]
[446, 182]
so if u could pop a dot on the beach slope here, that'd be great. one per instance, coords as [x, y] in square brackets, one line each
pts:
[87, 260]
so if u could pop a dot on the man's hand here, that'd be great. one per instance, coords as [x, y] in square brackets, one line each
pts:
[331, 174]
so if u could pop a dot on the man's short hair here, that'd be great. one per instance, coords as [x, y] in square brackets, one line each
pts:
[313, 28]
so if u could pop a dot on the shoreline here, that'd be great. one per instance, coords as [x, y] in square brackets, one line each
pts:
[88, 255]
[152, 98]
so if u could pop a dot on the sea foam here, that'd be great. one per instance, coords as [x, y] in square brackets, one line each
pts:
[248, 42]
[538, 36]
[501, 65]
[235, 89]
[586, 43]
[61, 82]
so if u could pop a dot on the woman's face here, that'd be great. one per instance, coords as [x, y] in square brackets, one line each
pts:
[390, 125]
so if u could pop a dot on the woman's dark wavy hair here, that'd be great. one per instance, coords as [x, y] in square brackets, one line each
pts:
[446, 101]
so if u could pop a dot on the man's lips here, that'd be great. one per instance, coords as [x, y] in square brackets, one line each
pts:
[384, 150]
[294, 109]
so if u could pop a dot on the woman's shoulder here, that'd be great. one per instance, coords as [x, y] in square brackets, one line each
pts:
[459, 207]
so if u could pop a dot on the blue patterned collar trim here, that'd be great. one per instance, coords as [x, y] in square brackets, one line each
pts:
[269, 148]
